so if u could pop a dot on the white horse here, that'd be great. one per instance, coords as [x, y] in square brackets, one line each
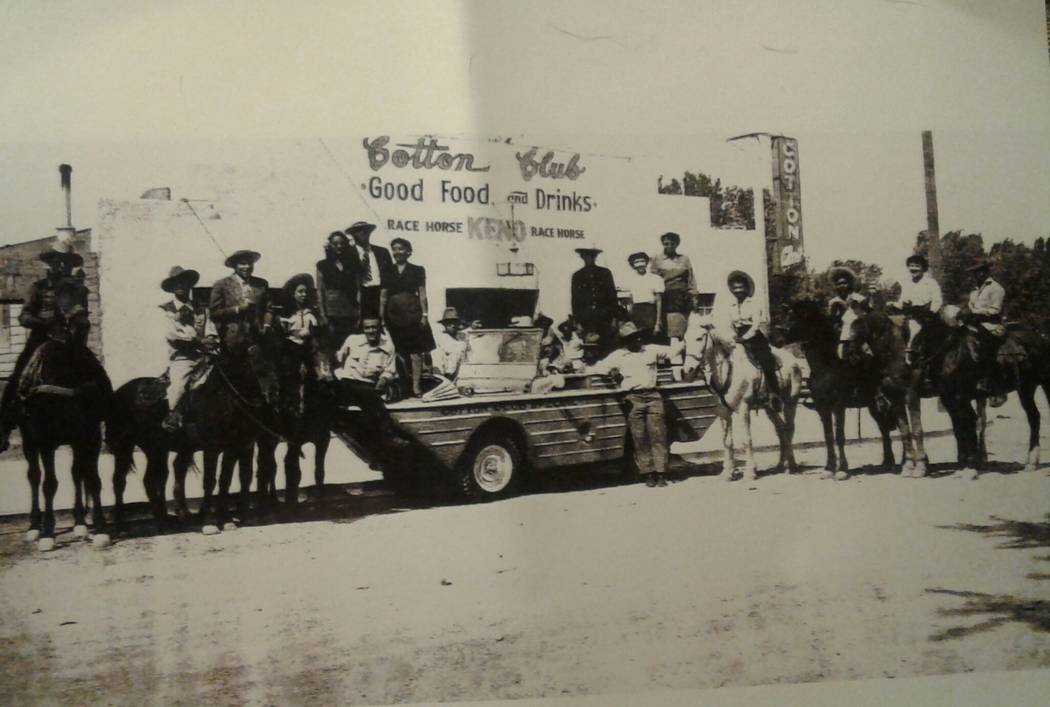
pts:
[741, 388]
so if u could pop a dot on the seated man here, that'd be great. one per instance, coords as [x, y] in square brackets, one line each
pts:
[748, 321]
[185, 340]
[847, 305]
[985, 319]
[920, 292]
[448, 355]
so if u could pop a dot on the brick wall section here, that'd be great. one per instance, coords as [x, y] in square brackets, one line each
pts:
[20, 267]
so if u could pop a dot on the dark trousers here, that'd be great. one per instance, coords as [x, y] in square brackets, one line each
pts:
[9, 400]
[758, 347]
[370, 302]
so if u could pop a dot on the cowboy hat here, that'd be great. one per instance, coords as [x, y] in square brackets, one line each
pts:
[360, 226]
[918, 258]
[741, 275]
[239, 255]
[628, 330]
[62, 251]
[592, 248]
[450, 315]
[300, 279]
[177, 275]
[838, 272]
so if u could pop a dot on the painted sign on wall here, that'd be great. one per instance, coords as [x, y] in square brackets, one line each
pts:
[787, 211]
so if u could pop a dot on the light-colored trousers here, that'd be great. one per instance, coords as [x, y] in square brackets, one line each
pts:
[178, 371]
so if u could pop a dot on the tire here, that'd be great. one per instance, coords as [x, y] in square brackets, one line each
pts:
[491, 468]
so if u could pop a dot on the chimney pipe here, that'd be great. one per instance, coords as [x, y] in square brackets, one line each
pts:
[66, 232]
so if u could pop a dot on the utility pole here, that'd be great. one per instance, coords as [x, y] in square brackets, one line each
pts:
[933, 229]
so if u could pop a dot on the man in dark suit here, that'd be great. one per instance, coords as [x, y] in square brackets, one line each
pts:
[594, 303]
[239, 304]
[374, 267]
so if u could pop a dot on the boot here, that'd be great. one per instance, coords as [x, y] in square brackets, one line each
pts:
[661, 480]
[650, 480]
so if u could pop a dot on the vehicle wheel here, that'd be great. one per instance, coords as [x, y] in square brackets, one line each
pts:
[491, 468]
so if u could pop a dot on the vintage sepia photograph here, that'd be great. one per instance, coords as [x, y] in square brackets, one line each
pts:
[525, 352]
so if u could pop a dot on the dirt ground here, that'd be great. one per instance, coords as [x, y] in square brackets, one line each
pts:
[579, 589]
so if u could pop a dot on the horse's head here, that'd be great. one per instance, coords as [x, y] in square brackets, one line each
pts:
[808, 323]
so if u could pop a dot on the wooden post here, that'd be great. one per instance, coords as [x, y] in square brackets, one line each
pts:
[933, 229]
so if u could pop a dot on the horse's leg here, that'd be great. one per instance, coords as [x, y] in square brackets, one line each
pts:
[320, 451]
[93, 485]
[744, 418]
[778, 427]
[964, 422]
[840, 441]
[183, 462]
[907, 442]
[222, 501]
[266, 476]
[33, 475]
[980, 450]
[50, 486]
[293, 472]
[728, 463]
[829, 439]
[1027, 395]
[80, 529]
[915, 420]
[244, 472]
[790, 409]
[122, 462]
[155, 482]
[209, 524]
[881, 419]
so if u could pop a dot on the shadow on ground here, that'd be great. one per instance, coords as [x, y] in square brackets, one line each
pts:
[1001, 608]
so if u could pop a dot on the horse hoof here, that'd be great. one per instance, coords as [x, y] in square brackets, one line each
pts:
[919, 471]
[229, 525]
[726, 476]
[210, 530]
[967, 474]
[45, 544]
[827, 475]
[80, 531]
[32, 536]
[100, 540]
[841, 476]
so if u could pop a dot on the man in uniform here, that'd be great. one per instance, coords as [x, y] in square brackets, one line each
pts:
[920, 292]
[42, 317]
[185, 338]
[239, 307]
[594, 302]
[749, 323]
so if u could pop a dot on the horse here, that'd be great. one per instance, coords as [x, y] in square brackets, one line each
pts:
[836, 384]
[67, 396]
[738, 383]
[957, 362]
[222, 417]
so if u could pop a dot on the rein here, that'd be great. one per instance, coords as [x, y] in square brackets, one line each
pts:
[244, 403]
[703, 373]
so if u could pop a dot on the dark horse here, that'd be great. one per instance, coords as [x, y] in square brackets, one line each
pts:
[836, 384]
[223, 416]
[67, 396]
[955, 361]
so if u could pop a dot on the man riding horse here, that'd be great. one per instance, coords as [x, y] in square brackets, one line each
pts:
[920, 292]
[185, 337]
[749, 323]
[239, 307]
[847, 304]
[55, 310]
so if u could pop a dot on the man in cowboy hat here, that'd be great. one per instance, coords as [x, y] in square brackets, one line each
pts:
[594, 302]
[748, 321]
[42, 317]
[647, 291]
[986, 299]
[373, 266]
[239, 303]
[919, 292]
[633, 367]
[185, 337]
[847, 304]
[448, 355]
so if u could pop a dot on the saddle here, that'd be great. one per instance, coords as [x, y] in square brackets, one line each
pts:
[156, 390]
[38, 375]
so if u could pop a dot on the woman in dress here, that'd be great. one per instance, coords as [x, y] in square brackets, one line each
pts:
[679, 285]
[405, 310]
[337, 291]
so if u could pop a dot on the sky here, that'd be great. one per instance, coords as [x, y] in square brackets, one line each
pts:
[119, 89]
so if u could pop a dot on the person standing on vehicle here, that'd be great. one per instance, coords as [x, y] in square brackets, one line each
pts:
[633, 367]
[647, 294]
[406, 315]
[679, 285]
[337, 291]
[594, 302]
[373, 266]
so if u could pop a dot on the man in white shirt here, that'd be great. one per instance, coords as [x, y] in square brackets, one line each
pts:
[633, 367]
[847, 305]
[647, 289]
[921, 292]
[749, 323]
[986, 299]
[184, 337]
[448, 355]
